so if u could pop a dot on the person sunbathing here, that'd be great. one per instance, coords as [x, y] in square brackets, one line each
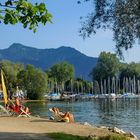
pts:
[19, 106]
[67, 117]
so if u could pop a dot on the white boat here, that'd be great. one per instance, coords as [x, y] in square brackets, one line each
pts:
[111, 96]
[129, 95]
[101, 96]
[54, 96]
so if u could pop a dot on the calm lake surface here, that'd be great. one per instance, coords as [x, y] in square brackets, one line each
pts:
[122, 113]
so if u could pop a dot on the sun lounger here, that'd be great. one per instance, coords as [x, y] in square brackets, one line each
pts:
[19, 111]
[4, 111]
[58, 116]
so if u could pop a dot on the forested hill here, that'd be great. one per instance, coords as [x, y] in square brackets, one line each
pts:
[45, 58]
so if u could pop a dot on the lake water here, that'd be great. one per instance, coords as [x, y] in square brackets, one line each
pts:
[122, 113]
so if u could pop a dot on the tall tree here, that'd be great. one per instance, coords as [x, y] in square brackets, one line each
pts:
[130, 70]
[23, 11]
[121, 16]
[107, 66]
[34, 81]
[11, 71]
[61, 72]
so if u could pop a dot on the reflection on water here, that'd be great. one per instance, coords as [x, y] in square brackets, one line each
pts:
[122, 113]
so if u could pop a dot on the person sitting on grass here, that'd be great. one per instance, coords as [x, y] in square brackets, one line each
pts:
[66, 117]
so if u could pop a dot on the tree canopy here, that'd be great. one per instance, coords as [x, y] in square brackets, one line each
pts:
[34, 81]
[107, 66]
[121, 16]
[11, 71]
[23, 11]
[130, 70]
[62, 72]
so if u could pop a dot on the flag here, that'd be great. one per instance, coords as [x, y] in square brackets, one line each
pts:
[4, 89]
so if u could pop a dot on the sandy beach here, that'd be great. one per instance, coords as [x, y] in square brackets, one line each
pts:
[37, 128]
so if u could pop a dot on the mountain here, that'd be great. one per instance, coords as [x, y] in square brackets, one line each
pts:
[45, 58]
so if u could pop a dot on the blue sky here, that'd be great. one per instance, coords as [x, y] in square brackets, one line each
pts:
[64, 32]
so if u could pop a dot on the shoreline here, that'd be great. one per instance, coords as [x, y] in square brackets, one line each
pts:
[37, 128]
[78, 128]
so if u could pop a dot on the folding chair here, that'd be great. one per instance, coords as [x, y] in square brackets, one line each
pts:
[23, 113]
[4, 111]
[19, 111]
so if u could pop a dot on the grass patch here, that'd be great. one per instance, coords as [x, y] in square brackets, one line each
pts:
[63, 136]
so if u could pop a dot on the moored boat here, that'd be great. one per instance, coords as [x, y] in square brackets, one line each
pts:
[54, 96]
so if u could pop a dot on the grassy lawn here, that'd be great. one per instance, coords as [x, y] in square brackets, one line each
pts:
[62, 136]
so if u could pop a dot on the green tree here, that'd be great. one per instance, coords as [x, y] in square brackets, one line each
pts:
[130, 70]
[80, 85]
[107, 66]
[23, 11]
[34, 81]
[130, 77]
[121, 16]
[61, 72]
[11, 71]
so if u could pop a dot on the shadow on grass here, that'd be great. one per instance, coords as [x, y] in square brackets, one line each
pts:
[63, 136]
[52, 136]
[23, 136]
